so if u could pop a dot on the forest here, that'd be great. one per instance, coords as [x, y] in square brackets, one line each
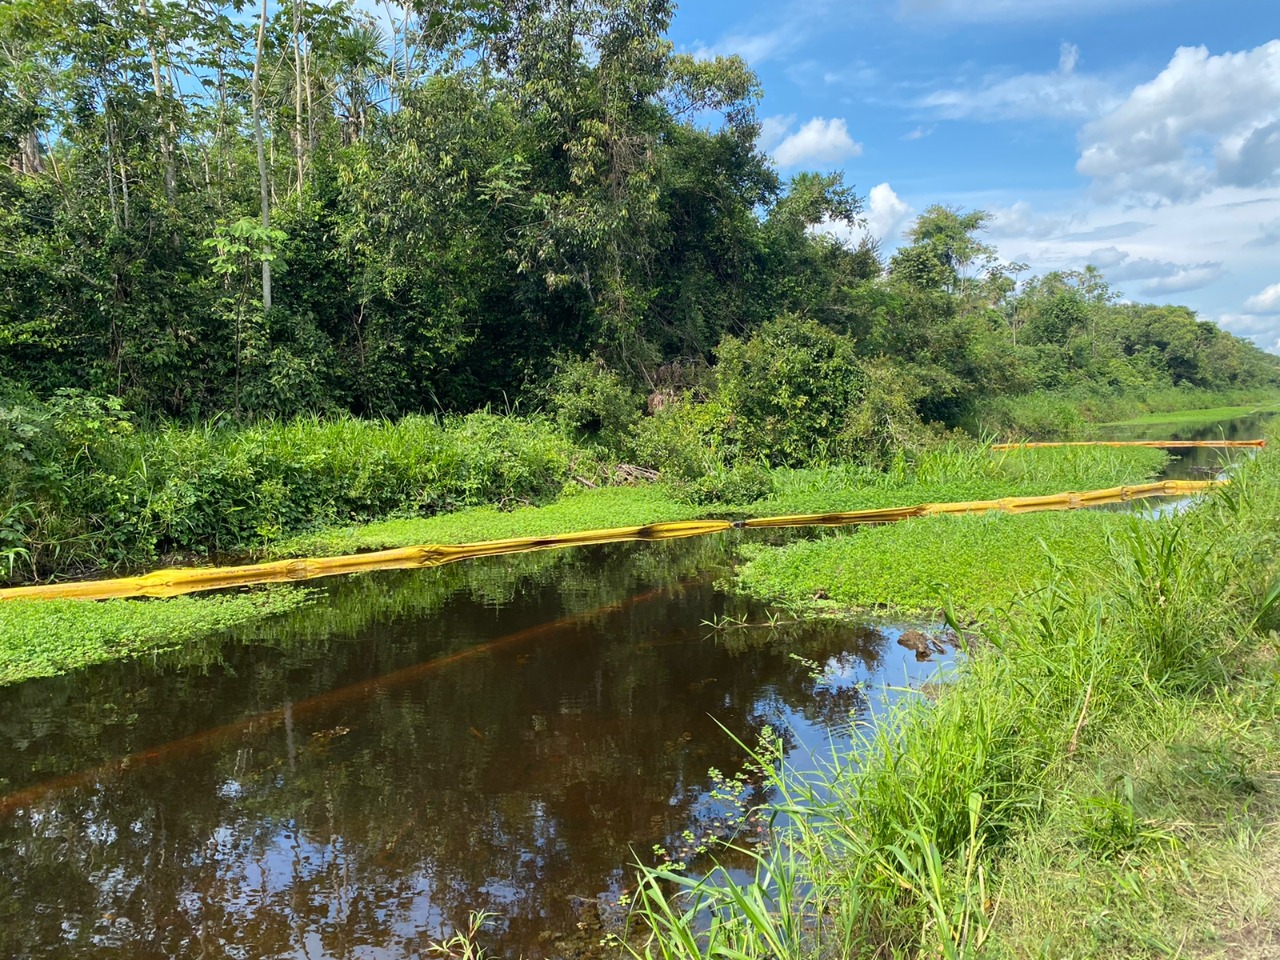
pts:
[223, 222]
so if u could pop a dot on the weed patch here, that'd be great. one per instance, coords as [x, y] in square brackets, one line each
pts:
[48, 637]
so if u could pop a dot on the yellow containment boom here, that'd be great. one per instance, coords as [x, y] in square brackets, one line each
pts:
[171, 583]
[1159, 444]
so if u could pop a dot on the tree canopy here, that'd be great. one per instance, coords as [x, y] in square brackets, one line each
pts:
[294, 207]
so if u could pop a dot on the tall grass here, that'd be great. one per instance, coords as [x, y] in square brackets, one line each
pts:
[84, 496]
[897, 848]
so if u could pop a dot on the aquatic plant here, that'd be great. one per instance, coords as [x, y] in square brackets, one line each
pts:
[49, 637]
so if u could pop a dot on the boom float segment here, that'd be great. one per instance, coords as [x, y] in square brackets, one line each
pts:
[1158, 444]
[172, 583]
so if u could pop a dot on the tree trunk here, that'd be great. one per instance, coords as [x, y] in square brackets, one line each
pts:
[299, 150]
[29, 159]
[263, 183]
[166, 139]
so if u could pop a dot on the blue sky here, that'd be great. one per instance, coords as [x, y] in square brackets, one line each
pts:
[1139, 135]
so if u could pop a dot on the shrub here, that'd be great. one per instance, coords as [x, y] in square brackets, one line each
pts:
[684, 440]
[592, 403]
[790, 392]
[744, 483]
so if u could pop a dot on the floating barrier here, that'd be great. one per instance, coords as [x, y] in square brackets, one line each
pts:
[1158, 444]
[171, 583]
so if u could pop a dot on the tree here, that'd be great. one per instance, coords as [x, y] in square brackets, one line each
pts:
[944, 248]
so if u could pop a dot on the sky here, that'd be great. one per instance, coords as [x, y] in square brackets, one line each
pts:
[1141, 136]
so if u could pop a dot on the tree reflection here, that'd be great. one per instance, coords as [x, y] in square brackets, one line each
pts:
[518, 779]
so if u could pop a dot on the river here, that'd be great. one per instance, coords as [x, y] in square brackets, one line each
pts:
[352, 779]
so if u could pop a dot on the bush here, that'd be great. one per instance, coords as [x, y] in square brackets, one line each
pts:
[885, 423]
[744, 483]
[684, 440]
[593, 404]
[790, 392]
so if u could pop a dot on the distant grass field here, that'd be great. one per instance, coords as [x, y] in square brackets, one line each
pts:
[1178, 417]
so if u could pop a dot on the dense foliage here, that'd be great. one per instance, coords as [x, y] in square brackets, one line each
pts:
[298, 209]
[81, 487]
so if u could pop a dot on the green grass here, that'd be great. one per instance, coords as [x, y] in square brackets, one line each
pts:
[584, 510]
[1162, 838]
[1205, 416]
[1100, 779]
[947, 475]
[48, 637]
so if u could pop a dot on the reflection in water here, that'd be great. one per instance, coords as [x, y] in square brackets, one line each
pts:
[505, 735]
[1195, 463]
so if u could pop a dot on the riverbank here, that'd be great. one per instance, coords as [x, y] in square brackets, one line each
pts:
[1098, 781]
[40, 638]
[1075, 412]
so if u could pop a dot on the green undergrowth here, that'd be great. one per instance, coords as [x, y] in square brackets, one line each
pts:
[1098, 780]
[48, 637]
[83, 490]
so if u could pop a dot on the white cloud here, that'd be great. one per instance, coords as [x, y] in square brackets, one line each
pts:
[773, 130]
[1020, 220]
[919, 133]
[1268, 301]
[818, 141]
[1060, 93]
[1110, 231]
[1068, 57]
[755, 48]
[1249, 325]
[884, 217]
[859, 73]
[1268, 235]
[1005, 10]
[1108, 258]
[887, 213]
[1161, 276]
[1203, 121]
[1185, 277]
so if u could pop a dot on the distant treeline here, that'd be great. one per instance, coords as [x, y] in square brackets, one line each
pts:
[207, 208]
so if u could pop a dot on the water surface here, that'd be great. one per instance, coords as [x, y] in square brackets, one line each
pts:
[507, 734]
[1195, 463]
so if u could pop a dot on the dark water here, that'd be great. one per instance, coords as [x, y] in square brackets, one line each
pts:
[1199, 463]
[506, 735]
